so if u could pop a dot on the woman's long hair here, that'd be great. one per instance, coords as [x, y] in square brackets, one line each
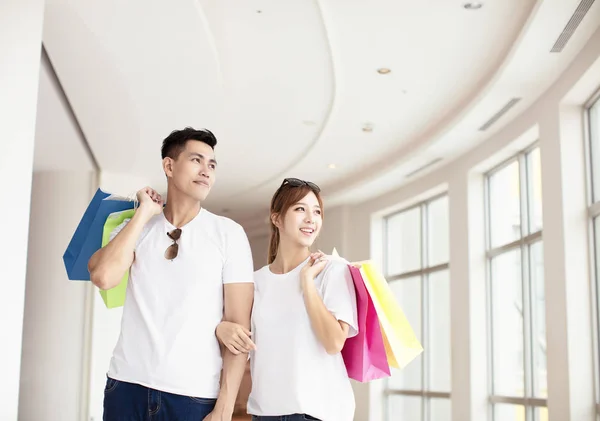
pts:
[283, 199]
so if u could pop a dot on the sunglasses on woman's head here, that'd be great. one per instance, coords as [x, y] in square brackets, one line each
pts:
[173, 249]
[296, 182]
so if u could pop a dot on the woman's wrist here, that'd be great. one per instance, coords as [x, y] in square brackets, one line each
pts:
[307, 282]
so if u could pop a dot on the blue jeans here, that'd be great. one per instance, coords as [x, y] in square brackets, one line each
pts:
[131, 402]
[292, 417]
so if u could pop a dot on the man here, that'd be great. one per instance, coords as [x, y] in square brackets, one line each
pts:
[189, 269]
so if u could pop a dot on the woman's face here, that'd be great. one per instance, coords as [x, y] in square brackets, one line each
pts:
[302, 221]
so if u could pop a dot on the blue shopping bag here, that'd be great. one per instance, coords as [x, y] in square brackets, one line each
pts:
[87, 238]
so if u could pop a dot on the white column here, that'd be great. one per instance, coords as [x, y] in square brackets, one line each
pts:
[20, 51]
[468, 297]
[567, 280]
[54, 360]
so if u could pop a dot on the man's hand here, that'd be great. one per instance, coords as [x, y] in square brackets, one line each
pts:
[235, 337]
[150, 201]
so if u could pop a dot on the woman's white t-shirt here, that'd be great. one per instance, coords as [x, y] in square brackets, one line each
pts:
[291, 371]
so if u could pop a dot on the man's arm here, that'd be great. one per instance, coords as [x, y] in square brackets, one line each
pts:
[107, 265]
[238, 299]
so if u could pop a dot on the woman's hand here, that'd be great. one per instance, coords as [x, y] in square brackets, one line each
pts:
[316, 263]
[235, 337]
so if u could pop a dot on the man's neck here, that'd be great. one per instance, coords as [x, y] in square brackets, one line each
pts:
[181, 210]
[288, 258]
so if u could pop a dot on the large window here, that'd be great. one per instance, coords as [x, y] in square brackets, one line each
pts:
[416, 266]
[516, 301]
[594, 212]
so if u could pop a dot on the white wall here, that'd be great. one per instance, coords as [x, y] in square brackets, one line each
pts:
[56, 328]
[259, 244]
[557, 118]
[20, 43]
[52, 369]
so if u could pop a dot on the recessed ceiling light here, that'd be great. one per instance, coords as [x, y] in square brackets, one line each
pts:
[384, 71]
[473, 5]
[332, 166]
[367, 128]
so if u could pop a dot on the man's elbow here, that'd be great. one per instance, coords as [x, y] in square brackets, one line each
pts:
[102, 280]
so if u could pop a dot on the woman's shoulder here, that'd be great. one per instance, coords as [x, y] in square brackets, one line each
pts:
[337, 263]
[336, 266]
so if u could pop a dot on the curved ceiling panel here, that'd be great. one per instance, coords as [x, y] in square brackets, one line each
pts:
[277, 85]
[440, 56]
[133, 75]
[261, 79]
[293, 89]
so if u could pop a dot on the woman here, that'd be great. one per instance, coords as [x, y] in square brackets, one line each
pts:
[304, 309]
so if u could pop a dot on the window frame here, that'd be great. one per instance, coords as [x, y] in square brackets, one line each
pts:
[593, 213]
[524, 244]
[423, 273]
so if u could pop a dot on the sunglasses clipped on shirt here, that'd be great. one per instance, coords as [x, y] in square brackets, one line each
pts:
[173, 249]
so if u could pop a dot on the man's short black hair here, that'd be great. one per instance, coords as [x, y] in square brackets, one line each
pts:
[174, 144]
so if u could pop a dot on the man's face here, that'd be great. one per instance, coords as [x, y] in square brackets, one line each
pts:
[193, 172]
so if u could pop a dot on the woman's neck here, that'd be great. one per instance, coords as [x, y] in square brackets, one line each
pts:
[288, 258]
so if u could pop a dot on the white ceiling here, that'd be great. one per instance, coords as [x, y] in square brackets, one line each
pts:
[288, 87]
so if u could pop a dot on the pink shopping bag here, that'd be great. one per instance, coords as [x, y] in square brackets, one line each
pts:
[364, 354]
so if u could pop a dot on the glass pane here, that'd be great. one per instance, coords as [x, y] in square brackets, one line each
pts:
[534, 165]
[437, 232]
[508, 412]
[408, 293]
[404, 408]
[505, 211]
[538, 340]
[440, 410]
[595, 148]
[540, 414]
[438, 348]
[597, 264]
[404, 242]
[507, 325]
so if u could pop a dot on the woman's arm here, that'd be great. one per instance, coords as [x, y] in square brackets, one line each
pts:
[330, 331]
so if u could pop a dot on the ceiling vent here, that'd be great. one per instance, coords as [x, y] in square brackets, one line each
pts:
[572, 25]
[499, 114]
[418, 170]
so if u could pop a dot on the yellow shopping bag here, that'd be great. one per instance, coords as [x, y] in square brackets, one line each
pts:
[401, 343]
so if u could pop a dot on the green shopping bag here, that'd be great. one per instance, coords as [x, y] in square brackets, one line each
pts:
[115, 297]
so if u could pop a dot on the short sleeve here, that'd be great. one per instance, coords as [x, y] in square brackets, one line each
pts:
[339, 295]
[238, 267]
[118, 229]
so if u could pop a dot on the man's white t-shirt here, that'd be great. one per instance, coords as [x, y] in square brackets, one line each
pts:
[291, 371]
[172, 307]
